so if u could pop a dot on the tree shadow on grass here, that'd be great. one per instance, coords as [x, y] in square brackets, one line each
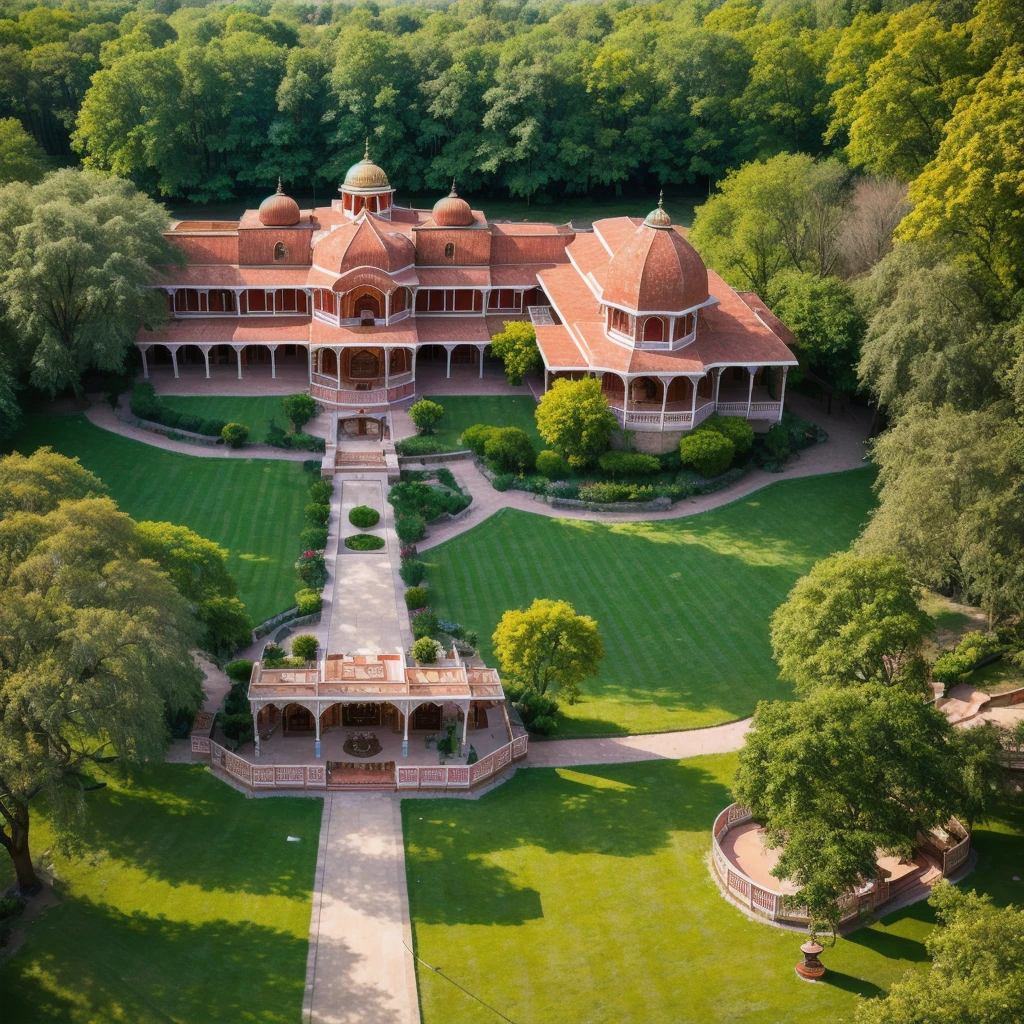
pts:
[181, 824]
[848, 983]
[623, 810]
[84, 963]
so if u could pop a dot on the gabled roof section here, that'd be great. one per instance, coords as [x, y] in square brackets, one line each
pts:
[365, 242]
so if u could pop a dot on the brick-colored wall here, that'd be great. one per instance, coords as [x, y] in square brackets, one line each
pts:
[472, 247]
[256, 247]
[207, 248]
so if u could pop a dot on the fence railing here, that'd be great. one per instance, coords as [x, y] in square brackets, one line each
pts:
[457, 776]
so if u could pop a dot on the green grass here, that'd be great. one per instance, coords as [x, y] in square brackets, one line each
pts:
[683, 605]
[253, 507]
[584, 895]
[256, 413]
[461, 411]
[186, 904]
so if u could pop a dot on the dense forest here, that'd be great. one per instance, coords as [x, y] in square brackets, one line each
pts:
[544, 97]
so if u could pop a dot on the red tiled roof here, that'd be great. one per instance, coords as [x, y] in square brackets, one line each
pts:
[226, 329]
[777, 327]
[454, 277]
[511, 276]
[367, 242]
[403, 333]
[436, 330]
[226, 275]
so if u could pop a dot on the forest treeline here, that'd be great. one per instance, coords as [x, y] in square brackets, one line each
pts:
[531, 99]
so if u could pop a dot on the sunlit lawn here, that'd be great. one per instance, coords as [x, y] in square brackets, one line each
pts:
[683, 605]
[186, 904]
[461, 411]
[253, 507]
[584, 895]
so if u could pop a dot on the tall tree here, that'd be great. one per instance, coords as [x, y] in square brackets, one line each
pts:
[20, 158]
[574, 418]
[97, 645]
[77, 252]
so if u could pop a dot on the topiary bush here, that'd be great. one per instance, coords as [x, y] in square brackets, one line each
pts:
[364, 542]
[320, 491]
[503, 481]
[425, 414]
[426, 651]
[707, 451]
[412, 571]
[629, 464]
[736, 428]
[551, 465]
[314, 538]
[238, 671]
[510, 450]
[425, 624]
[418, 445]
[417, 597]
[475, 438]
[364, 517]
[309, 602]
[235, 435]
[410, 527]
[305, 646]
[317, 513]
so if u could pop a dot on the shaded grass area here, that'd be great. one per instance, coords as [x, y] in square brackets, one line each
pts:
[683, 605]
[253, 507]
[461, 411]
[255, 412]
[187, 903]
[584, 895]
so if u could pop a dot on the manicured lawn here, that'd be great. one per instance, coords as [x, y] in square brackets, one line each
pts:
[682, 605]
[255, 412]
[186, 904]
[584, 895]
[461, 411]
[253, 507]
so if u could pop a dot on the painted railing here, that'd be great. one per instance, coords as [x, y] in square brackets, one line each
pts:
[457, 776]
[268, 776]
[683, 418]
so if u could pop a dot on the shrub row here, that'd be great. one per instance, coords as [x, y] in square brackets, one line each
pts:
[311, 566]
[146, 405]
[299, 441]
[419, 445]
[974, 650]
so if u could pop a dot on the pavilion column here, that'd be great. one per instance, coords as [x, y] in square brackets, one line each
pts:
[413, 364]
[718, 381]
[782, 394]
[448, 352]
[665, 381]
[256, 730]
[145, 364]
[750, 391]
[206, 359]
[318, 730]
[465, 729]
[405, 734]
[481, 349]
[693, 406]
[625, 401]
[174, 361]
[273, 364]
[387, 307]
[545, 380]
[309, 366]
[387, 371]
[238, 356]
[337, 353]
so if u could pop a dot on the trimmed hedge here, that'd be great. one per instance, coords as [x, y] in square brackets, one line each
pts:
[510, 450]
[605, 493]
[238, 671]
[364, 517]
[317, 513]
[313, 538]
[735, 428]
[321, 491]
[552, 465]
[145, 404]
[235, 435]
[419, 445]
[475, 438]
[364, 542]
[417, 597]
[425, 651]
[707, 451]
[309, 602]
[412, 571]
[630, 463]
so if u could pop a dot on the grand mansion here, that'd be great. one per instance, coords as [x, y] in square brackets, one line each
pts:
[361, 293]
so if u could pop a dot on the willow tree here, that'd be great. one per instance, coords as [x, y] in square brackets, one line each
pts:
[96, 648]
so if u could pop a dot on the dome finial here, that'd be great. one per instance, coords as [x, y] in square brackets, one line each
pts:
[280, 187]
[366, 149]
[661, 199]
[453, 194]
[658, 217]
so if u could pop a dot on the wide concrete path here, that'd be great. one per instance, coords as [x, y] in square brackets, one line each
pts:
[360, 969]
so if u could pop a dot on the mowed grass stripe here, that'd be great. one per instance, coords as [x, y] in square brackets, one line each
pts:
[252, 507]
[683, 605]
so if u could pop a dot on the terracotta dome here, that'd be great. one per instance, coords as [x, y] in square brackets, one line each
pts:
[364, 244]
[366, 174]
[279, 210]
[452, 212]
[657, 270]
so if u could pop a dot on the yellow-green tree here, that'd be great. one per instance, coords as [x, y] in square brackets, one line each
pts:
[516, 347]
[574, 418]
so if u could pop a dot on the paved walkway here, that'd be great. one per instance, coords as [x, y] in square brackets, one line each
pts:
[360, 970]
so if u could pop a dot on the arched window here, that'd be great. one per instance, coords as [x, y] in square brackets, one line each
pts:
[449, 251]
[654, 329]
[279, 253]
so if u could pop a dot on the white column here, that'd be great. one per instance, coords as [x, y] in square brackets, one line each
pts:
[273, 364]
[481, 349]
[718, 381]
[238, 354]
[204, 300]
[145, 364]
[671, 330]
[174, 360]
[664, 398]
[750, 391]
[387, 307]
[782, 394]
[256, 730]
[387, 371]
[545, 380]
[448, 351]
[465, 729]
[625, 400]
[238, 301]
[309, 366]
[318, 729]
[337, 353]
[405, 735]
[206, 359]
[693, 407]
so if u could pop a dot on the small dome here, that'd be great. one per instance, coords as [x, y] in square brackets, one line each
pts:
[279, 210]
[452, 212]
[366, 174]
[658, 218]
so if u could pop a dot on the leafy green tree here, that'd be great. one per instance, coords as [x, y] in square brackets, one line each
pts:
[968, 198]
[21, 159]
[510, 450]
[548, 646]
[516, 346]
[77, 253]
[976, 975]
[708, 452]
[305, 646]
[850, 620]
[822, 313]
[841, 774]
[299, 409]
[573, 417]
[98, 644]
[426, 414]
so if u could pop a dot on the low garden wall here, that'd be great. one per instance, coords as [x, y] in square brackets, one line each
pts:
[430, 460]
[291, 617]
[158, 428]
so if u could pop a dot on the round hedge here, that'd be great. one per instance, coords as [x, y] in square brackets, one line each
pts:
[364, 542]
[364, 517]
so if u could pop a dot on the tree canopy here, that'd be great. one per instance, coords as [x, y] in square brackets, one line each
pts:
[573, 417]
[516, 347]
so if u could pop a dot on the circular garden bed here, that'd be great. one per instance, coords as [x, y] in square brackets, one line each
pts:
[364, 542]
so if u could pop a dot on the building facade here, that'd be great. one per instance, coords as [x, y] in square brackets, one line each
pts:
[363, 292]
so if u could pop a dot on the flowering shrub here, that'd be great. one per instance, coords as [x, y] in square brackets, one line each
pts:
[312, 570]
